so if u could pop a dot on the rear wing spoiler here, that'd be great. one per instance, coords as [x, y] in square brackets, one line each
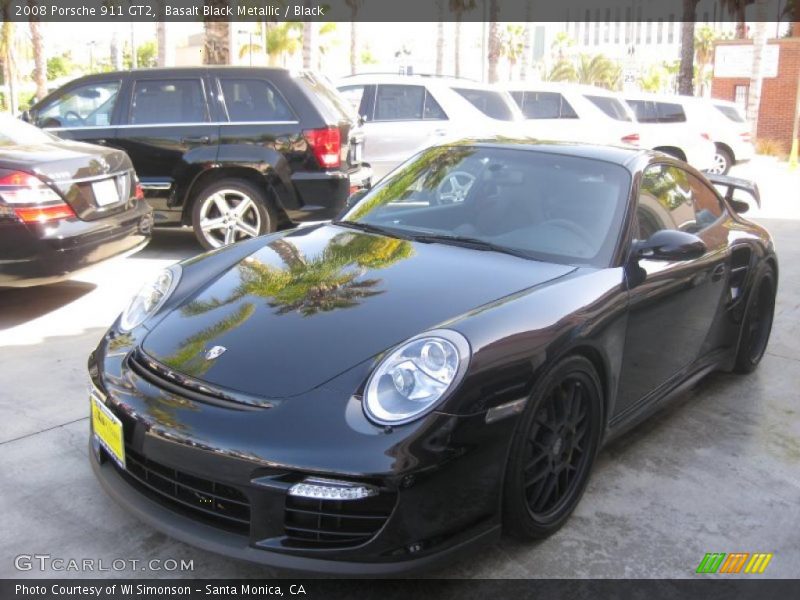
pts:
[731, 184]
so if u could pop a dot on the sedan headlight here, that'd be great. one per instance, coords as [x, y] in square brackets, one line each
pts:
[415, 377]
[150, 298]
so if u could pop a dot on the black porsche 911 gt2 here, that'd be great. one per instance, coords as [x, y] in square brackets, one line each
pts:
[378, 394]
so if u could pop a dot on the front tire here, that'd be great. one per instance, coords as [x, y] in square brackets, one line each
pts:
[757, 324]
[229, 211]
[553, 450]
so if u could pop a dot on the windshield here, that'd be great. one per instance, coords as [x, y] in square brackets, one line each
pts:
[731, 112]
[17, 133]
[492, 104]
[540, 205]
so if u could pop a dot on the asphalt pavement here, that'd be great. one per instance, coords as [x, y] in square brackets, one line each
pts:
[718, 471]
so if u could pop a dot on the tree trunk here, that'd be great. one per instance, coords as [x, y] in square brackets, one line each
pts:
[686, 72]
[741, 21]
[457, 46]
[115, 50]
[757, 74]
[525, 63]
[494, 40]
[163, 44]
[217, 49]
[353, 42]
[308, 44]
[440, 38]
[10, 66]
[39, 58]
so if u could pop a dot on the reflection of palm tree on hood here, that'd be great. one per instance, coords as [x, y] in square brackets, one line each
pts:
[326, 282]
[188, 358]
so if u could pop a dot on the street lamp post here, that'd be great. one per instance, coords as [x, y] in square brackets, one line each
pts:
[91, 56]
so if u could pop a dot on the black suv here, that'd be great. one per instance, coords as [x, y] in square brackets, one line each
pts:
[234, 152]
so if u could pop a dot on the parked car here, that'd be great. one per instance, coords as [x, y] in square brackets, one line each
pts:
[575, 113]
[64, 206]
[404, 114]
[381, 393]
[728, 128]
[664, 126]
[233, 152]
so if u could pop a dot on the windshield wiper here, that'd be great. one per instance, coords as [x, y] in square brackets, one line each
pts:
[469, 242]
[379, 229]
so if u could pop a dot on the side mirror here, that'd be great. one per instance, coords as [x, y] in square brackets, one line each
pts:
[26, 116]
[670, 244]
[362, 119]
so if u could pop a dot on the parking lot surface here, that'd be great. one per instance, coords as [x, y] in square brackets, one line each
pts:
[718, 471]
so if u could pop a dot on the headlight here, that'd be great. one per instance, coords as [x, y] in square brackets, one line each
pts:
[415, 377]
[149, 299]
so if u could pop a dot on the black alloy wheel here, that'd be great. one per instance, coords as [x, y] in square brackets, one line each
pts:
[553, 450]
[757, 324]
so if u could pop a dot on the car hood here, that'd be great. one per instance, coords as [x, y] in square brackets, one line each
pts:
[310, 304]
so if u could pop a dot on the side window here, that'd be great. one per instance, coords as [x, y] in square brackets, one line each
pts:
[399, 102]
[669, 112]
[168, 101]
[88, 105]
[665, 201]
[353, 94]
[432, 109]
[644, 110]
[254, 100]
[707, 207]
[546, 105]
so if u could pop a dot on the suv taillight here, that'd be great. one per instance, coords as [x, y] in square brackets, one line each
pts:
[705, 136]
[326, 144]
[745, 135]
[632, 139]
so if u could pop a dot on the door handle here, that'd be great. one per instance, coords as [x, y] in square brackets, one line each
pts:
[718, 272]
[201, 139]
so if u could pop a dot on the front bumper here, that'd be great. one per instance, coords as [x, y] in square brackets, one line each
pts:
[41, 254]
[206, 458]
[229, 544]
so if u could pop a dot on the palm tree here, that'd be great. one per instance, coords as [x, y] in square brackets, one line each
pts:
[686, 73]
[8, 56]
[283, 38]
[596, 70]
[326, 40]
[561, 43]
[703, 52]
[512, 46]
[458, 8]
[757, 74]
[654, 80]
[354, 5]
[440, 38]
[308, 40]
[494, 40]
[39, 58]
[737, 8]
[217, 50]
[563, 70]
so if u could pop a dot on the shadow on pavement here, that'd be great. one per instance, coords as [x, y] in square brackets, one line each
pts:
[171, 243]
[25, 304]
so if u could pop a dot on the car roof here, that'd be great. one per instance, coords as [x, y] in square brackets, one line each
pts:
[419, 79]
[616, 154]
[673, 98]
[558, 86]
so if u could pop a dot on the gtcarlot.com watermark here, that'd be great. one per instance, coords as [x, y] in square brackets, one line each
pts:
[47, 562]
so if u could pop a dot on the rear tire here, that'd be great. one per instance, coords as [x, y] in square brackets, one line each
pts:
[757, 324]
[229, 211]
[553, 450]
[723, 160]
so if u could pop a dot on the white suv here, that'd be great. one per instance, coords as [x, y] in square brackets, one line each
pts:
[404, 114]
[664, 126]
[577, 113]
[728, 128]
